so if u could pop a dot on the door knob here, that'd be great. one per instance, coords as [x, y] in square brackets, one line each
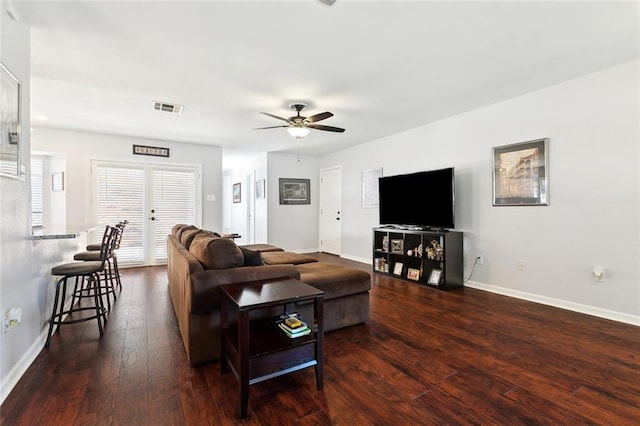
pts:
[153, 218]
[153, 211]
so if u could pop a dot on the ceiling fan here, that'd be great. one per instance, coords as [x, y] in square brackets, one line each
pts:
[298, 126]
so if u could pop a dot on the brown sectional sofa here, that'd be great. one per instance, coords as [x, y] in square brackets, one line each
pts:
[200, 261]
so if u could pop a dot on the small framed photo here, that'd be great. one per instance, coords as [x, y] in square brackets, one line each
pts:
[435, 276]
[521, 174]
[236, 193]
[397, 268]
[413, 274]
[396, 246]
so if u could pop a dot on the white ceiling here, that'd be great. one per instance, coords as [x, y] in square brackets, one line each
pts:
[380, 66]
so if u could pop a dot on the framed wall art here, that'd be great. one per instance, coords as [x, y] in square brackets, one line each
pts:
[10, 132]
[295, 191]
[236, 193]
[370, 188]
[260, 188]
[521, 174]
[57, 181]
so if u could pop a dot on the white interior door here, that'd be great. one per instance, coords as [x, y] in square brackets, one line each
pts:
[238, 211]
[331, 210]
[152, 199]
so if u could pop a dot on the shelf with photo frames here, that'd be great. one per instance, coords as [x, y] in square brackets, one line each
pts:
[432, 258]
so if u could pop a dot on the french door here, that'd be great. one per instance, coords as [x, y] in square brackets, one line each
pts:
[152, 198]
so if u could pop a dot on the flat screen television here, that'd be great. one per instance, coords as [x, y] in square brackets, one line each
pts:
[422, 200]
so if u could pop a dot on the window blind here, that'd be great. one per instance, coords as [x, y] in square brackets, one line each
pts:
[174, 202]
[120, 196]
[37, 189]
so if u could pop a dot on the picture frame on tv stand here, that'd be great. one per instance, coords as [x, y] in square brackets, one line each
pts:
[397, 268]
[434, 277]
[397, 246]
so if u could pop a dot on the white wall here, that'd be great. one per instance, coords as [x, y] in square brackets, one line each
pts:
[294, 227]
[82, 147]
[25, 264]
[592, 124]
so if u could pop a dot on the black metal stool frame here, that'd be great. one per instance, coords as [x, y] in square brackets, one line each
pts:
[86, 270]
[111, 273]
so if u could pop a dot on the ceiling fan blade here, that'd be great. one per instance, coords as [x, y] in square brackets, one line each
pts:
[275, 116]
[269, 127]
[318, 117]
[327, 128]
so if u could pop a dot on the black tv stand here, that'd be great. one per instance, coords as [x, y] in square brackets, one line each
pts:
[429, 256]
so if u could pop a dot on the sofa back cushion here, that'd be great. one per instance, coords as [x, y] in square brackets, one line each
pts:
[186, 238]
[216, 253]
[177, 227]
[180, 231]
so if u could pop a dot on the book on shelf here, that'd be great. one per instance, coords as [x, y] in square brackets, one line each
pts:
[293, 333]
[293, 323]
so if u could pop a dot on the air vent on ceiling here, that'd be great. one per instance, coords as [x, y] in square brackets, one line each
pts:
[167, 107]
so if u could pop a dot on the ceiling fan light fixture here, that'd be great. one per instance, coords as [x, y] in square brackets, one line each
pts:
[298, 131]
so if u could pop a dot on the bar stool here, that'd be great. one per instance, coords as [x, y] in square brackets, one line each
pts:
[96, 246]
[86, 271]
[111, 272]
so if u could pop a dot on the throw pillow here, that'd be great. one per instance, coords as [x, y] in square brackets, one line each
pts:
[252, 257]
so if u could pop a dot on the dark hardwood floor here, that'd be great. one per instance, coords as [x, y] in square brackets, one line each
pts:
[425, 357]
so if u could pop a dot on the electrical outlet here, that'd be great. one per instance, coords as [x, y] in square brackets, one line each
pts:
[480, 259]
[521, 265]
[12, 318]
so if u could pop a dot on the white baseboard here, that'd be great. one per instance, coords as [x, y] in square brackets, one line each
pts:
[11, 379]
[558, 303]
[358, 259]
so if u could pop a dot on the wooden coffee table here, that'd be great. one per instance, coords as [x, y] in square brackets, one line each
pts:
[257, 349]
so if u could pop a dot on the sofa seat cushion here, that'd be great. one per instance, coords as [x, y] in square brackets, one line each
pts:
[216, 253]
[261, 247]
[286, 257]
[336, 281]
